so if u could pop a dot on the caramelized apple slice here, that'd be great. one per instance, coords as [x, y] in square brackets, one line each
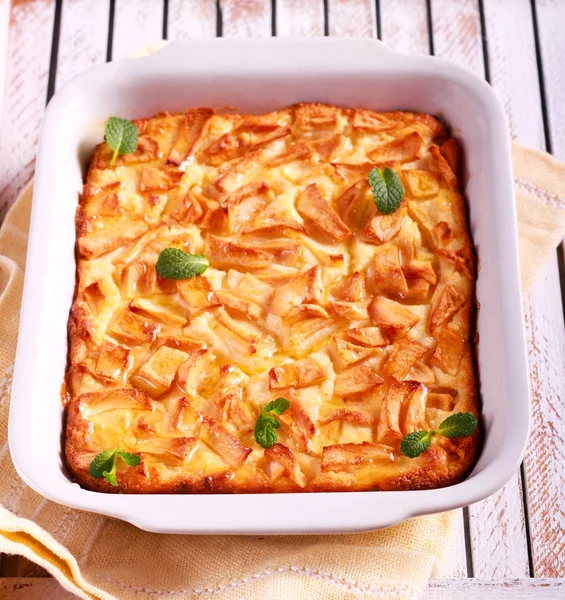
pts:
[185, 207]
[355, 207]
[463, 260]
[414, 417]
[370, 337]
[197, 294]
[113, 361]
[421, 185]
[239, 305]
[329, 148]
[394, 318]
[166, 313]
[351, 288]
[307, 287]
[388, 274]
[313, 206]
[246, 201]
[297, 422]
[315, 117]
[356, 380]
[448, 352]
[157, 374]
[285, 457]
[223, 442]
[441, 401]
[240, 173]
[350, 311]
[450, 300]
[191, 374]
[403, 357]
[363, 418]
[382, 228]
[276, 217]
[171, 449]
[184, 416]
[93, 404]
[368, 121]
[391, 408]
[133, 329]
[444, 168]
[190, 134]
[223, 253]
[300, 373]
[108, 233]
[155, 179]
[345, 354]
[400, 150]
[345, 457]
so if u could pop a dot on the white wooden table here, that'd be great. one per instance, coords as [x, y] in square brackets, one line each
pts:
[511, 545]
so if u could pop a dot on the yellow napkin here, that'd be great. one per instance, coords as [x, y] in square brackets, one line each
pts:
[96, 557]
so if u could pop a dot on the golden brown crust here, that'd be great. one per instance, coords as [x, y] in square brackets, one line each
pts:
[363, 321]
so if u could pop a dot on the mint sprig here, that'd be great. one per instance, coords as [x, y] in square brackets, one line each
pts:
[121, 135]
[415, 443]
[174, 263]
[267, 422]
[106, 463]
[387, 189]
[460, 424]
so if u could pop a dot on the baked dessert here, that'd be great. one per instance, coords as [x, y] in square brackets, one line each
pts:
[329, 330]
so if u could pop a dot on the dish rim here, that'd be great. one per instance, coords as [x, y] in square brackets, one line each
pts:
[365, 510]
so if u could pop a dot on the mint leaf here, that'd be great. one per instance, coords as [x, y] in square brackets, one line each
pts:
[415, 443]
[277, 406]
[121, 135]
[102, 462]
[132, 460]
[106, 463]
[387, 190]
[174, 263]
[267, 423]
[265, 434]
[110, 476]
[458, 425]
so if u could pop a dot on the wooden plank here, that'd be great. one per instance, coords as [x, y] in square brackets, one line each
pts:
[474, 589]
[515, 78]
[33, 589]
[457, 33]
[351, 18]
[456, 563]
[545, 459]
[192, 19]
[300, 18]
[137, 24]
[497, 525]
[439, 589]
[19, 566]
[513, 67]
[550, 18]
[404, 25]
[251, 18]
[29, 51]
[4, 20]
[82, 47]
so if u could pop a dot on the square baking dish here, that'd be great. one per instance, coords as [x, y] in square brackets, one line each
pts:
[259, 76]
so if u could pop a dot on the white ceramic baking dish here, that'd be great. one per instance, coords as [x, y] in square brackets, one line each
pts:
[258, 76]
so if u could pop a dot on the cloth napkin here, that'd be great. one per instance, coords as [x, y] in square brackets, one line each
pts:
[98, 557]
